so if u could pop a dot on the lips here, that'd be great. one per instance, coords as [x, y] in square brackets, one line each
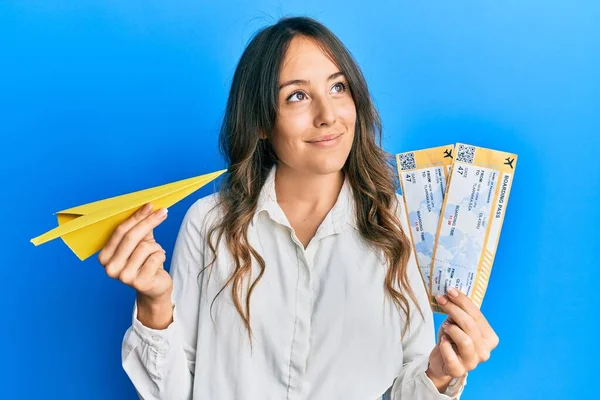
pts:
[325, 138]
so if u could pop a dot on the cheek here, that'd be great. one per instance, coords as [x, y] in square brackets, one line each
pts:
[347, 113]
[294, 125]
[289, 130]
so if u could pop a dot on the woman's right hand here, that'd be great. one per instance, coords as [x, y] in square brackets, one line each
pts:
[132, 256]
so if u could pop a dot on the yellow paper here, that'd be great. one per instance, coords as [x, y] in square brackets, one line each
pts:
[85, 229]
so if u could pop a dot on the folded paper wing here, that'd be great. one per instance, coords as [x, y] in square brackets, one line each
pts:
[85, 229]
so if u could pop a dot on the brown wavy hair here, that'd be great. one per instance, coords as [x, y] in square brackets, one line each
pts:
[252, 108]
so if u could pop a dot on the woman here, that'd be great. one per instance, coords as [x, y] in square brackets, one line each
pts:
[296, 280]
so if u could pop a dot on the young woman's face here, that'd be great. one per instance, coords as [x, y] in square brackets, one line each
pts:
[314, 104]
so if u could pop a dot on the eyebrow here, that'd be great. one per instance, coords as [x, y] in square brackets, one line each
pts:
[304, 82]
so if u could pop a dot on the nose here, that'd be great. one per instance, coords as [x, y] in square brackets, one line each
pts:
[324, 112]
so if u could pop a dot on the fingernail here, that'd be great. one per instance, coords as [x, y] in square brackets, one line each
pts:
[453, 292]
[443, 338]
[445, 324]
[162, 212]
[441, 299]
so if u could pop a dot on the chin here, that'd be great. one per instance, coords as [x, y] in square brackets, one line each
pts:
[329, 166]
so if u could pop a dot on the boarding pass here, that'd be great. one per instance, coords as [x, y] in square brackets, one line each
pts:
[469, 221]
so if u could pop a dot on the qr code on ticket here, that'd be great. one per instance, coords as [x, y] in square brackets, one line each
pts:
[465, 154]
[407, 161]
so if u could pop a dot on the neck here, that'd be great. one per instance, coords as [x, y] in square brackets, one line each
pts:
[307, 190]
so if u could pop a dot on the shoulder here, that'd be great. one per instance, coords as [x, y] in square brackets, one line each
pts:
[204, 205]
[203, 213]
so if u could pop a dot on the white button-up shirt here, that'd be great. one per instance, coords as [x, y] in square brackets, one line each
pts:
[323, 328]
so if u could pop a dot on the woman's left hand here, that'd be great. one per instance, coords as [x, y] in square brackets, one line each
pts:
[465, 339]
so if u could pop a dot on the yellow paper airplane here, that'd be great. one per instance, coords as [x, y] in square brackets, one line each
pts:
[85, 229]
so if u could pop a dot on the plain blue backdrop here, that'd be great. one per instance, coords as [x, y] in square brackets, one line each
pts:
[100, 98]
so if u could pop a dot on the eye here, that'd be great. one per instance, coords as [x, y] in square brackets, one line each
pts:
[339, 87]
[298, 95]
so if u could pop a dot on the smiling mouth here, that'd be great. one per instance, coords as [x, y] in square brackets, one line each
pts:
[326, 138]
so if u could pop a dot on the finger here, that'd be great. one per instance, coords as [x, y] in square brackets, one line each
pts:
[452, 364]
[441, 330]
[143, 250]
[459, 316]
[147, 273]
[448, 320]
[458, 297]
[111, 245]
[135, 235]
[464, 302]
[467, 352]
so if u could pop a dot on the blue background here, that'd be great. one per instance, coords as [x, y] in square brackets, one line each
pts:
[100, 98]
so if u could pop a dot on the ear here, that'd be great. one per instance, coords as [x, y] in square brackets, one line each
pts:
[261, 135]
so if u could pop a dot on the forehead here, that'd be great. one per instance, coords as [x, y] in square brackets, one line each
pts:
[304, 58]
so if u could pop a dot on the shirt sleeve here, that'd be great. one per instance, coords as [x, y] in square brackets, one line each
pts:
[419, 341]
[161, 363]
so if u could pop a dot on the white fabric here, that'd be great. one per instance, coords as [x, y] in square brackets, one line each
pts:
[322, 326]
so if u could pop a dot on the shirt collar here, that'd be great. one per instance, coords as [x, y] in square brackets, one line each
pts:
[341, 216]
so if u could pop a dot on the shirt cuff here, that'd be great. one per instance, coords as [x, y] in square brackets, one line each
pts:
[160, 339]
[454, 389]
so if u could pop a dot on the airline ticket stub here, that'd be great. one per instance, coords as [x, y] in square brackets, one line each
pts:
[471, 220]
[423, 175]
